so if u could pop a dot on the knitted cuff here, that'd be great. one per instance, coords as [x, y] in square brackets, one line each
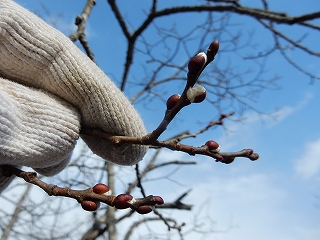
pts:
[37, 129]
[35, 54]
[54, 169]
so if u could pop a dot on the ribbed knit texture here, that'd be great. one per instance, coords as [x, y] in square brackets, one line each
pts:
[37, 129]
[38, 56]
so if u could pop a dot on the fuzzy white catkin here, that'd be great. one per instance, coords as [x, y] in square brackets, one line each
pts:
[48, 87]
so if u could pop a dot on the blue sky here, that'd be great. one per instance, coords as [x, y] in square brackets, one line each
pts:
[276, 197]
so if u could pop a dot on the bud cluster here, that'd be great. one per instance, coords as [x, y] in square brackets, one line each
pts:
[201, 60]
[122, 201]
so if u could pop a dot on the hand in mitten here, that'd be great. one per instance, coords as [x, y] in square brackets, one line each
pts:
[38, 56]
[37, 129]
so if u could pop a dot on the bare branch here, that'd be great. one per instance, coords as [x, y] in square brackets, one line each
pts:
[230, 6]
[137, 223]
[80, 195]
[81, 21]
[15, 215]
[293, 42]
[177, 204]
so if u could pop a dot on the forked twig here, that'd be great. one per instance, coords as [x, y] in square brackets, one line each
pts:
[192, 93]
[88, 198]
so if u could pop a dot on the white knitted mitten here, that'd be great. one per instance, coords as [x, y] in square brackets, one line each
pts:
[38, 129]
[36, 55]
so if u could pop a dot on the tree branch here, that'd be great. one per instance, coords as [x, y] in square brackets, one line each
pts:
[81, 21]
[79, 195]
[230, 6]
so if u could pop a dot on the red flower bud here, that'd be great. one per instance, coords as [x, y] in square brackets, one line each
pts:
[213, 50]
[90, 205]
[122, 201]
[228, 160]
[101, 188]
[159, 200]
[144, 209]
[254, 156]
[213, 146]
[249, 152]
[172, 101]
[196, 63]
[219, 158]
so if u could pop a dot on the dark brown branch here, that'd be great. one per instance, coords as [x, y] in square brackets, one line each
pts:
[177, 204]
[174, 145]
[265, 4]
[167, 220]
[120, 19]
[277, 17]
[81, 21]
[231, 6]
[139, 181]
[154, 6]
[293, 42]
[296, 44]
[148, 168]
[130, 39]
[79, 195]
[210, 125]
[235, 2]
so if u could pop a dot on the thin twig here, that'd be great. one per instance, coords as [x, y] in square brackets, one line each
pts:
[79, 195]
[81, 21]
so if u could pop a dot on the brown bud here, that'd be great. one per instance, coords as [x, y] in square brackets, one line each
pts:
[254, 156]
[172, 101]
[249, 151]
[213, 50]
[101, 188]
[90, 205]
[200, 98]
[213, 146]
[219, 158]
[196, 63]
[159, 200]
[228, 160]
[144, 209]
[122, 201]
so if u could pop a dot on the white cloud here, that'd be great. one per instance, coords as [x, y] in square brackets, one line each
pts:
[244, 134]
[308, 165]
[286, 111]
[250, 206]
